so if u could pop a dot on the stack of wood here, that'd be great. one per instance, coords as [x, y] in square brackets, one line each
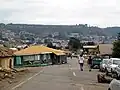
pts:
[102, 79]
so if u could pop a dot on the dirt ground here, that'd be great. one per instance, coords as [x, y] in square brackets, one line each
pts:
[16, 77]
[8, 82]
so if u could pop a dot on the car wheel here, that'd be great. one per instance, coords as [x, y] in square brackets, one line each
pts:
[92, 66]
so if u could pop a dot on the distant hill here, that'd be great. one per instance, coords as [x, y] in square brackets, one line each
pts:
[112, 30]
[81, 28]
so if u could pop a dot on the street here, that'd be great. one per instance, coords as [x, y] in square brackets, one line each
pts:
[62, 77]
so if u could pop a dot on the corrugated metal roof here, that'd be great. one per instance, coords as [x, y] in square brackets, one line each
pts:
[39, 50]
[58, 52]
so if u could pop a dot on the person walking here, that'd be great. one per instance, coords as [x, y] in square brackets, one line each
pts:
[89, 63]
[81, 62]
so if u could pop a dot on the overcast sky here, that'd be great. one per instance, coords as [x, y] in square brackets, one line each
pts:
[94, 12]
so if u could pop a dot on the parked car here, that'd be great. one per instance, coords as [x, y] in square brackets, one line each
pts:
[96, 62]
[117, 71]
[114, 85]
[111, 65]
[103, 64]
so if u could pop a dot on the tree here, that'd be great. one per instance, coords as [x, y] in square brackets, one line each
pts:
[2, 25]
[74, 43]
[118, 37]
[116, 48]
[47, 41]
[50, 45]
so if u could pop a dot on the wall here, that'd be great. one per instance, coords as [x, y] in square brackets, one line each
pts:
[5, 62]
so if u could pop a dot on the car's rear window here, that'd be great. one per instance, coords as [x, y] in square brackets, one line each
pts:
[117, 62]
[97, 59]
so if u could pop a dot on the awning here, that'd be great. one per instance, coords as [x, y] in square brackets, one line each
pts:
[90, 47]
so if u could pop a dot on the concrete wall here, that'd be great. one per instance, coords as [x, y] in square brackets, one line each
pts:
[5, 63]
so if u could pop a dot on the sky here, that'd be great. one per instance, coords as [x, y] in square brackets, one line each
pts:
[102, 13]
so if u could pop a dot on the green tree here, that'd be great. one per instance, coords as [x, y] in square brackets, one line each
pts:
[47, 41]
[116, 48]
[74, 43]
[118, 37]
[50, 45]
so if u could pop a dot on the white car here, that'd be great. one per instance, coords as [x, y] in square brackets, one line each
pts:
[117, 70]
[103, 64]
[112, 64]
[114, 85]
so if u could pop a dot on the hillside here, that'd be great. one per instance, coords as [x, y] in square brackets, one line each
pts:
[82, 29]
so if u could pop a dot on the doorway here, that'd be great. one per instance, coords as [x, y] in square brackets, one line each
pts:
[10, 63]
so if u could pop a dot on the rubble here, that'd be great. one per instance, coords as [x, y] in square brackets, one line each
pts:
[6, 74]
[10, 73]
[103, 79]
[9, 77]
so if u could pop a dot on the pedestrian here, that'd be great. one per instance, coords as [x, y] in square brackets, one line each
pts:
[89, 63]
[81, 62]
[71, 56]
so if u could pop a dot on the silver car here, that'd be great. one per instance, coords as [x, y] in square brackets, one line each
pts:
[103, 64]
[114, 85]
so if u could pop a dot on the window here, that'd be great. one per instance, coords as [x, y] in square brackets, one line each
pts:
[117, 62]
[37, 57]
[18, 61]
[28, 58]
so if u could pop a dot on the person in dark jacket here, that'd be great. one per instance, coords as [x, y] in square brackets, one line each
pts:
[89, 62]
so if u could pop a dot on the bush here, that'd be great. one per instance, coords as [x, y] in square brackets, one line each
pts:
[116, 49]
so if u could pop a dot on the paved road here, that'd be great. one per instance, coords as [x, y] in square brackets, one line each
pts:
[62, 77]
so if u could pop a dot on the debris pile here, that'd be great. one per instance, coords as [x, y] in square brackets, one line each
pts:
[10, 73]
[101, 78]
[6, 74]
[8, 77]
